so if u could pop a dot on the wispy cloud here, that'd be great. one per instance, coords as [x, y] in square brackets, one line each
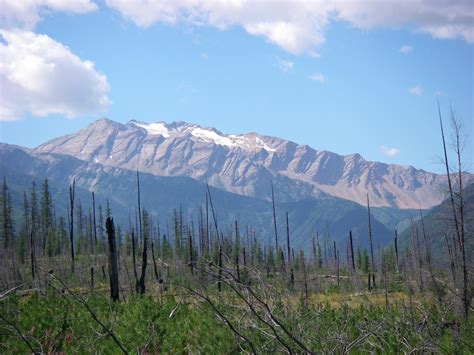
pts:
[317, 77]
[416, 90]
[389, 152]
[406, 49]
[284, 65]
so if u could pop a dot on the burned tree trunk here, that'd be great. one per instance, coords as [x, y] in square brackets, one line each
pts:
[33, 255]
[372, 264]
[94, 219]
[274, 221]
[140, 288]
[288, 248]
[157, 276]
[396, 249]
[113, 263]
[352, 250]
[71, 221]
[134, 261]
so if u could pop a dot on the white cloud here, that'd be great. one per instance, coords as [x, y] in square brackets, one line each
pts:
[389, 152]
[416, 90]
[317, 77]
[284, 65]
[439, 18]
[40, 76]
[298, 26]
[27, 13]
[406, 49]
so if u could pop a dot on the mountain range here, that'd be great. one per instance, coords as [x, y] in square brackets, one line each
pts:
[245, 164]
[321, 191]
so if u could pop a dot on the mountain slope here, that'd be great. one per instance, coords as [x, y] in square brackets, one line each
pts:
[160, 195]
[438, 224]
[246, 164]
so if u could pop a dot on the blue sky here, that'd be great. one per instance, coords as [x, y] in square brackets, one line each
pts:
[345, 85]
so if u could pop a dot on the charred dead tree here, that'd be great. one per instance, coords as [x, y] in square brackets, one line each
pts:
[352, 250]
[155, 269]
[191, 254]
[134, 260]
[288, 249]
[140, 285]
[219, 237]
[428, 260]
[459, 239]
[274, 221]
[71, 220]
[32, 254]
[94, 220]
[416, 257]
[237, 250]
[395, 241]
[371, 277]
[113, 262]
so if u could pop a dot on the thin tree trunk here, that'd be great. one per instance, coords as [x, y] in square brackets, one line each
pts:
[288, 248]
[141, 281]
[71, 220]
[95, 225]
[33, 256]
[352, 250]
[462, 244]
[135, 273]
[428, 259]
[372, 266]
[113, 264]
[396, 249]
[154, 260]
[274, 220]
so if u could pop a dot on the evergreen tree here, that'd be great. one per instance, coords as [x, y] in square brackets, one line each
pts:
[365, 262]
[101, 231]
[79, 228]
[24, 230]
[319, 256]
[46, 217]
[279, 260]
[34, 214]
[358, 258]
[7, 222]
[271, 259]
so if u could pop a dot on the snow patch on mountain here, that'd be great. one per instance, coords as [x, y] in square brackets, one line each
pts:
[211, 136]
[157, 129]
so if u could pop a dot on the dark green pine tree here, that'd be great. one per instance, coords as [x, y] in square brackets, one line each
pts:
[25, 228]
[365, 262]
[319, 256]
[7, 222]
[34, 225]
[46, 219]
[271, 259]
[358, 258]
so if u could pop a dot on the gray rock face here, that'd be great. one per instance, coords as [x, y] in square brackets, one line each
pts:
[246, 164]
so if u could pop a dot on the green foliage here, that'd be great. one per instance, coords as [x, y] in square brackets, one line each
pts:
[365, 262]
[54, 322]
